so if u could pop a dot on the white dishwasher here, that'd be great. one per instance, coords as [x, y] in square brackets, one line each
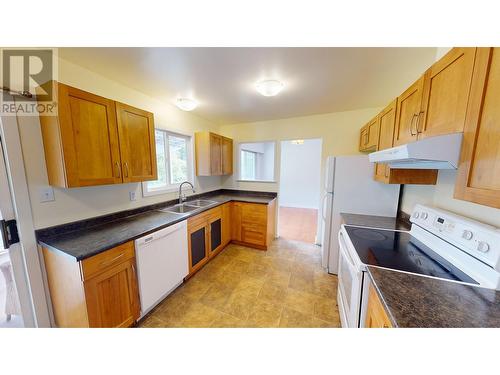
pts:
[162, 263]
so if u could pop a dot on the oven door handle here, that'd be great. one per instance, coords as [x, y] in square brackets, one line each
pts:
[343, 249]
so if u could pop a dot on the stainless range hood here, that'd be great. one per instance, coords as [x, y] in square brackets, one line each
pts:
[440, 152]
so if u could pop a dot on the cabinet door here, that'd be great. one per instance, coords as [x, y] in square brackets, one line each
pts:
[215, 154]
[137, 143]
[226, 223]
[236, 221]
[478, 178]
[89, 139]
[198, 240]
[407, 112]
[376, 316]
[254, 223]
[227, 156]
[373, 134]
[387, 120]
[363, 138]
[215, 226]
[446, 93]
[112, 296]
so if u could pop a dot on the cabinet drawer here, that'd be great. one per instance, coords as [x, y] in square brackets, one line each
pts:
[254, 214]
[253, 233]
[101, 262]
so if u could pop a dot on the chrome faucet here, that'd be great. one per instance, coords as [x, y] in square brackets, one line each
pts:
[182, 197]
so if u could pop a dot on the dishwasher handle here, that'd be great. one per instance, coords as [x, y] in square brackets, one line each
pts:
[160, 234]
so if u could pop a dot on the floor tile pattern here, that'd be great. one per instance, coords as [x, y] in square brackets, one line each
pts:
[242, 287]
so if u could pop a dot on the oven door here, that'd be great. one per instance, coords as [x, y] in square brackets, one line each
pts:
[349, 285]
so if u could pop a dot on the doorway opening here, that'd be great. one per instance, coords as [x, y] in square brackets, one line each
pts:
[299, 189]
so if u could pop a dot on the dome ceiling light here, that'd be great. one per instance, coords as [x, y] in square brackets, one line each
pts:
[269, 87]
[186, 104]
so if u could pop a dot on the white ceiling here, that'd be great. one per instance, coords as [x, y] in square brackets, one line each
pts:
[317, 80]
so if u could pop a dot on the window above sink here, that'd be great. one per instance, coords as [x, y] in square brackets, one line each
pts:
[174, 162]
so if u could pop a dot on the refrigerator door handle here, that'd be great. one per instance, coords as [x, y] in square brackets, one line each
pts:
[323, 209]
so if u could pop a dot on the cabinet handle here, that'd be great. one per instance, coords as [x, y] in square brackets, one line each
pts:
[117, 165]
[411, 124]
[103, 264]
[126, 169]
[417, 124]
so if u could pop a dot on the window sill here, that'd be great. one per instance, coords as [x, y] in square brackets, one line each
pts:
[150, 193]
[259, 181]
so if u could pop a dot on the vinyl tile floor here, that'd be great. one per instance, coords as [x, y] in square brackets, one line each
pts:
[284, 286]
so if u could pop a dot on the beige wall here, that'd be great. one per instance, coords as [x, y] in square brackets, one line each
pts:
[80, 203]
[441, 195]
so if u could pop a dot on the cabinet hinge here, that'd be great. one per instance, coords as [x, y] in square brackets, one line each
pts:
[10, 236]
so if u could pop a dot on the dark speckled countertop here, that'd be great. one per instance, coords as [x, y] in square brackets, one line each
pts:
[93, 236]
[418, 301]
[382, 222]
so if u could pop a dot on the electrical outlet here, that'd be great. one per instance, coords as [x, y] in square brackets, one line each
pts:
[46, 194]
[131, 195]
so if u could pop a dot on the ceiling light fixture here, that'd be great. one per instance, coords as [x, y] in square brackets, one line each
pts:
[298, 142]
[186, 104]
[269, 87]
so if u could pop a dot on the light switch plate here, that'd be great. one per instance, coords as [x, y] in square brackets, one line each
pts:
[46, 194]
[132, 195]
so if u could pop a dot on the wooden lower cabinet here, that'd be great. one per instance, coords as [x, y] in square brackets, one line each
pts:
[253, 224]
[205, 237]
[100, 291]
[376, 317]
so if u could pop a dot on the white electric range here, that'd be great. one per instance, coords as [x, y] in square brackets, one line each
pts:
[439, 245]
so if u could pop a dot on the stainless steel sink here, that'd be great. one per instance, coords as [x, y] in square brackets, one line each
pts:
[200, 203]
[180, 209]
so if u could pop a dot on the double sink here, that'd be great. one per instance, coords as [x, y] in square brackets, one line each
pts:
[190, 206]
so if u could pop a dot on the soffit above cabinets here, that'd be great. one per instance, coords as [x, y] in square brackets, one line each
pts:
[317, 80]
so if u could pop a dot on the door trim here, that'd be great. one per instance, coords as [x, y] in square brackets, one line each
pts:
[35, 291]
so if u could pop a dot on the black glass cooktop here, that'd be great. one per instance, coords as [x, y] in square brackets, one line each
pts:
[401, 251]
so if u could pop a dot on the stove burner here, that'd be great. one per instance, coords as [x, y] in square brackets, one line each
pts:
[367, 234]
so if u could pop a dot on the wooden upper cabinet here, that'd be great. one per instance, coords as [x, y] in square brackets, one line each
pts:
[227, 156]
[369, 136]
[387, 120]
[407, 112]
[81, 142]
[478, 178]
[136, 133]
[363, 138]
[446, 93]
[86, 144]
[214, 154]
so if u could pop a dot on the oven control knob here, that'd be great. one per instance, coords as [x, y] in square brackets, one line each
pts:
[424, 215]
[467, 234]
[483, 247]
[416, 215]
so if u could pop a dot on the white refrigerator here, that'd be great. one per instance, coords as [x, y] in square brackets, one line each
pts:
[349, 187]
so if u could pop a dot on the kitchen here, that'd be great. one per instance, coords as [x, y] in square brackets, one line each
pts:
[402, 147]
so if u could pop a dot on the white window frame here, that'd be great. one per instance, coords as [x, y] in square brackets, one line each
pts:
[146, 190]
